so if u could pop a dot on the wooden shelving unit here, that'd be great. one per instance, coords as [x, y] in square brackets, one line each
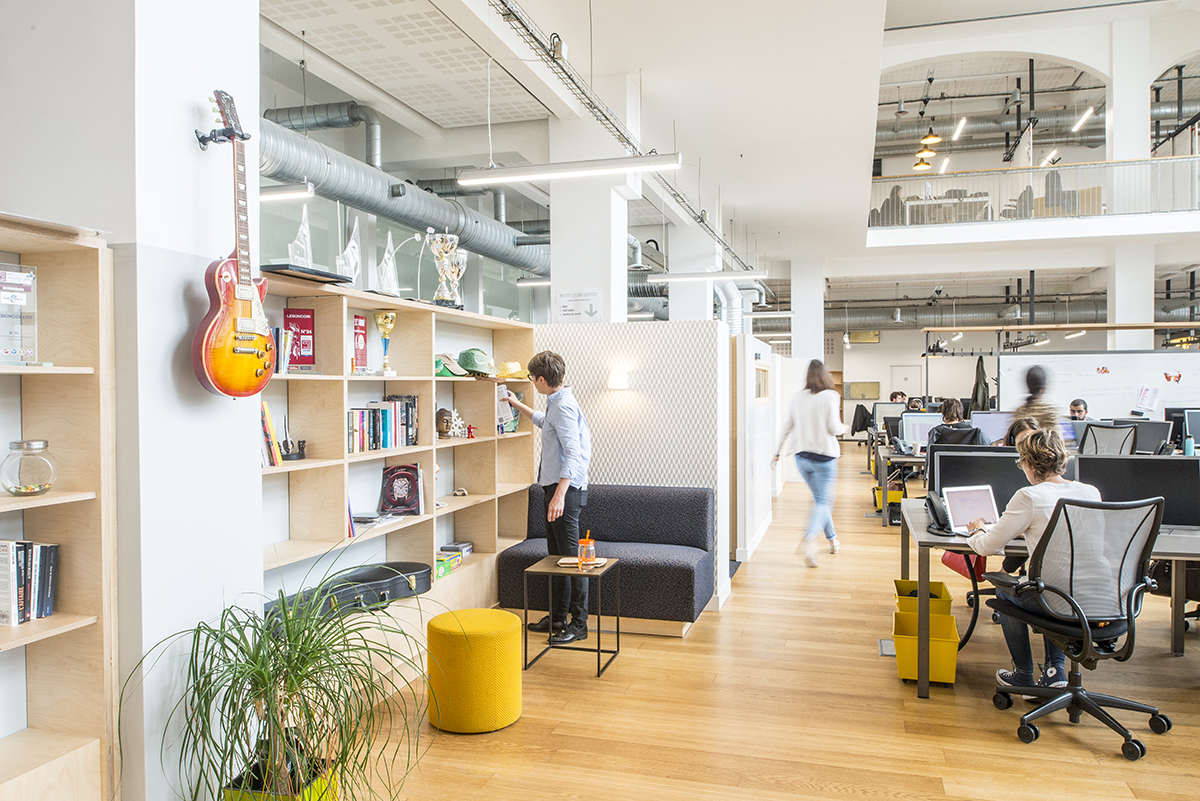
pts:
[492, 469]
[68, 750]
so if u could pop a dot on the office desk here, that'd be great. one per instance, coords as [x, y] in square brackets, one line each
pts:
[884, 458]
[1178, 545]
[949, 209]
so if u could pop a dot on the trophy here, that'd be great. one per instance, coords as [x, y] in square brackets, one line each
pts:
[385, 322]
[445, 253]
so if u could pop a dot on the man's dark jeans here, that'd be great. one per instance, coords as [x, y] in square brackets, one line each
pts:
[562, 539]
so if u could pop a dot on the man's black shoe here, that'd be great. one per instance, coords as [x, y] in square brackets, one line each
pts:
[543, 625]
[569, 634]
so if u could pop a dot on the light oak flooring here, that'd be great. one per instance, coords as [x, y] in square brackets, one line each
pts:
[782, 695]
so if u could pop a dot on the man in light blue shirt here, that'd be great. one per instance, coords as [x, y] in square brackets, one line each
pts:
[566, 452]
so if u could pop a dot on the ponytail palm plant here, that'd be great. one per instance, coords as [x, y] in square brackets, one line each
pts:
[298, 702]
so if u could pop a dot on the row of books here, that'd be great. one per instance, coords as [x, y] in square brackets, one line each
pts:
[28, 574]
[380, 425]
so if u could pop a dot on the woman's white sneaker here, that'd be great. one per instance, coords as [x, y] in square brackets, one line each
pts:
[834, 545]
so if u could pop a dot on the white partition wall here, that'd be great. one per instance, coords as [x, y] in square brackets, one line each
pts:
[756, 396]
[671, 427]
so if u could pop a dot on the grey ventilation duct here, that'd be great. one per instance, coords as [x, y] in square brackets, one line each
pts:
[291, 158]
[733, 304]
[334, 115]
[531, 226]
[839, 318]
[639, 287]
[948, 147]
[636, 244]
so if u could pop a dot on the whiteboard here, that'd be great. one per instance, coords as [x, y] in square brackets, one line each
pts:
[1110, 381]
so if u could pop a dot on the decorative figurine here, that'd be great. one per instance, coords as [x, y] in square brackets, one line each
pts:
[387, 280]
[470, 432]
[445, 251]
[300, 250]
[385, 322]
[442, 422]
[458, 428]
[348, 263]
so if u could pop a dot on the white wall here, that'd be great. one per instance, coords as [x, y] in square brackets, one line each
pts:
[671, 427]
[755, 440]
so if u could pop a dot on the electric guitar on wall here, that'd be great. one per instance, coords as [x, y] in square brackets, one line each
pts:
[233, 351]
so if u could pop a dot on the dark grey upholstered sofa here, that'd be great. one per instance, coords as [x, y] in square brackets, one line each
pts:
[665, 538]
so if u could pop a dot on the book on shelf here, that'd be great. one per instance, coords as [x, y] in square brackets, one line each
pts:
[28, 574]
[360, 343]
[504, 410]
[302, 354]
[270, 440]
[465, 547]
[402, 492]
[406, 412]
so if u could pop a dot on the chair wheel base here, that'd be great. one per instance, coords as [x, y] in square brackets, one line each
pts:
[1133, 750]
[1160, 724]
[1002, 701]
[1028, 732]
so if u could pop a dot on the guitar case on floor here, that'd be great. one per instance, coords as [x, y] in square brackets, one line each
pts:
[367, 587]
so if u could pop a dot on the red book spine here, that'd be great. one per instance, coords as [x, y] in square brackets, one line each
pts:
[300, 323]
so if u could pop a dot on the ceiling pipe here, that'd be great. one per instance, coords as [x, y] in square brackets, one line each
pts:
[525, 240]
[289, 157]
[531, 226]
[334, 115]
[1089, 139]
[636, 244]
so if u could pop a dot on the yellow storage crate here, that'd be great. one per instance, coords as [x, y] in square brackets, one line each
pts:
[906, 597]
[943, 646]
[893, 496]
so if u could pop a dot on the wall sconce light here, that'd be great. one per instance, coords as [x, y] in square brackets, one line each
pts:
[618, 379]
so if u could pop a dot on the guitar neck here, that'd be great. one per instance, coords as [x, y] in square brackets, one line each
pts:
[241, 211]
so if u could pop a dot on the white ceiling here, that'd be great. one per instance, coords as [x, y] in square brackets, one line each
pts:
[410, 49]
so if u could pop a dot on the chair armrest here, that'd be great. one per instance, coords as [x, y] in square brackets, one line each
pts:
[1005, 581]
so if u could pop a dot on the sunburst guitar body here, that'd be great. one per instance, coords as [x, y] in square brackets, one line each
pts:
[233, 352]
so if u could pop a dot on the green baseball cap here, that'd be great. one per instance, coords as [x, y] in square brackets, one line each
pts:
[476, 362]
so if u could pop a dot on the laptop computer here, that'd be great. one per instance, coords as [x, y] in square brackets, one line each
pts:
[966, 504]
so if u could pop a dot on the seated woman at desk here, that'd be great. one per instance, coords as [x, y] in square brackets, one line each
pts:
[952, 420]
[1018, 430]
[1043, 458]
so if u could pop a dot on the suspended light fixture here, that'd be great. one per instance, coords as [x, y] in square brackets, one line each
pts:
[930, 138]
[926, 153]
[1042, 341]
[957, 337]
[716, 275]
[922, 164]
[1074, 334]
[533, 282]
[896, 316]
[286, 192]
[1090, 111]
[1049, 157]
[846, 337]
[958, 131]
[570, 169]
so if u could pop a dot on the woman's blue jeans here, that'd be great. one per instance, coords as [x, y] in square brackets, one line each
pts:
[821, 478]
[1016, 634]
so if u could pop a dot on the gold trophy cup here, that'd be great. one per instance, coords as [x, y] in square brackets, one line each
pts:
[385, 322]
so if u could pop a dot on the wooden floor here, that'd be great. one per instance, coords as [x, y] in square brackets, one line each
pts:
[783, 695]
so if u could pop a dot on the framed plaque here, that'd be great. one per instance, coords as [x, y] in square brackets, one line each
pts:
[18, 314]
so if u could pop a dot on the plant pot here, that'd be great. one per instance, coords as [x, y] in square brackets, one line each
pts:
[323, 788]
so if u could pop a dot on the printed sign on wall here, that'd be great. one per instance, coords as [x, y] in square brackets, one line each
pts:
[579, 306]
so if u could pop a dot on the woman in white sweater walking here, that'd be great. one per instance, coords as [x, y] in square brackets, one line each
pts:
[814, 421]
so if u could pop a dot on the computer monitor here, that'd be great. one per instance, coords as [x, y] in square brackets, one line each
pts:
[914, 427]
[883, 410]
[1191, 423]
[931, 460]
[1175, 416]
[1132, 478]
[999, 469]
[1066, 427]
[994, 425]
[1151, 433]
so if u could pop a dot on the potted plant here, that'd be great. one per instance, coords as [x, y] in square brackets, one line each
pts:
[303, 701]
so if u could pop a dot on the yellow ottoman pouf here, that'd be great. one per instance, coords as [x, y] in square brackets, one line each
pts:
[474, 668]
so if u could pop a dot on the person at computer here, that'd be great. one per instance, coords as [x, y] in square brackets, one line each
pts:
[1042, 456]
[915, 404]
[952, 420]
[1018, 429]
[1034, 406]
[1078, 410]
[898, 397]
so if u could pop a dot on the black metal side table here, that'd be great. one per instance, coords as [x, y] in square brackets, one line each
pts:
[549, 568]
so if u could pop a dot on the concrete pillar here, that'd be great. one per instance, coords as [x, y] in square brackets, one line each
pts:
[1131, 296]
[589, 219]
[693, 251]
[1127, 115]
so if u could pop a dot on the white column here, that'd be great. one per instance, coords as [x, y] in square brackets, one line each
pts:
[589, 218]
[1127, 110]
[692, 251]
[1131, 296]
[808, 309]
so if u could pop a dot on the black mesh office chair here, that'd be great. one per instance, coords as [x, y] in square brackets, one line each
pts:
[948, 435]
[1108, 440]
[1088, 572]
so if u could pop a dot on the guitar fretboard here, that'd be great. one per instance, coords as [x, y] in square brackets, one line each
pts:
[241, 212]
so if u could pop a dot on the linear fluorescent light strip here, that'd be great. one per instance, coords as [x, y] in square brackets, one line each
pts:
[718, 275]
[958, 131]
[771, 315]
[285, 192]
[945, 164]
[1074, 334]
[1090, 110]
[570, 169]
[533, 282]
[1050, 156]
